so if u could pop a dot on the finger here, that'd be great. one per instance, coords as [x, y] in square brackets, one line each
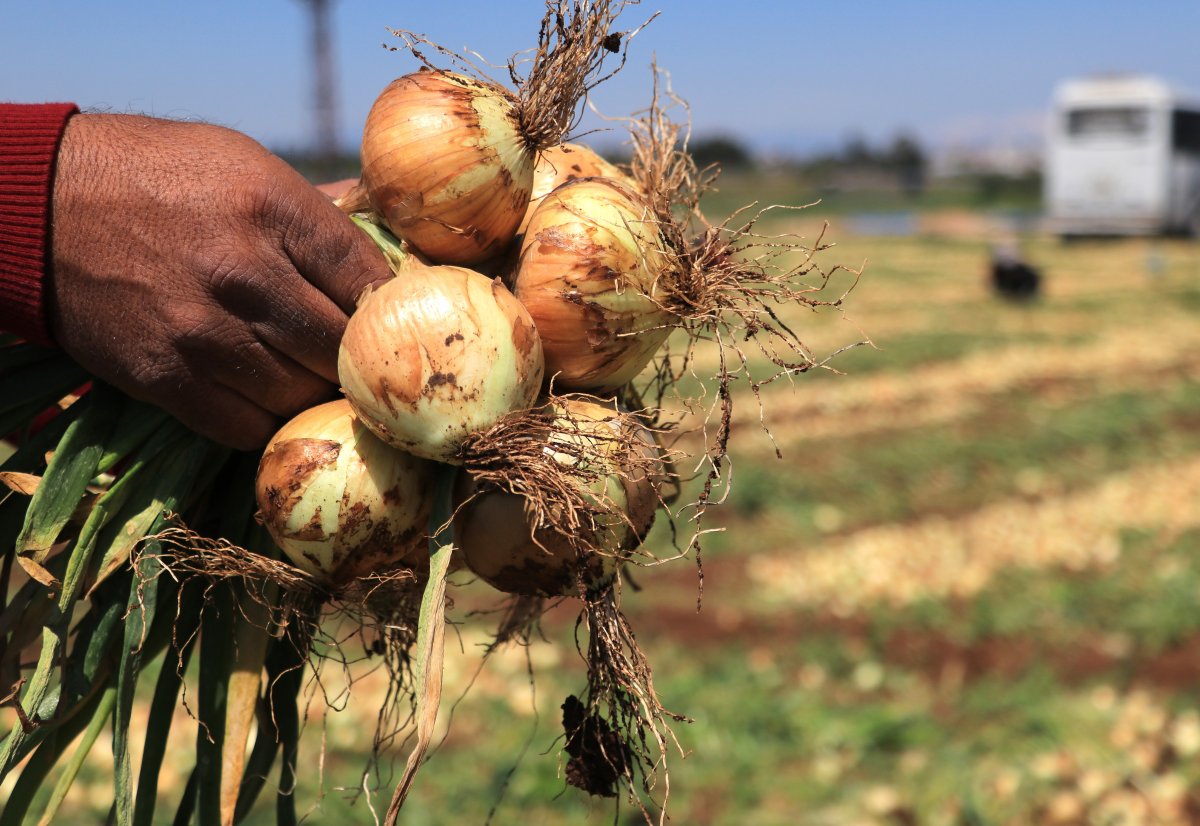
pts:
[268, 378]
[330, 252]
[261, 289]
[294, 337]
[336, 189]
[223, 415]
[278, 385]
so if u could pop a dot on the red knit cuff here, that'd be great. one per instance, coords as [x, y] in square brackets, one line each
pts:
[29, 138]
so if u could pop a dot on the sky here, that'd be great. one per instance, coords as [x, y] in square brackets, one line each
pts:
[786, 78]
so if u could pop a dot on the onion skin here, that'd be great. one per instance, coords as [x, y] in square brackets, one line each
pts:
[590, 261]
[340, 503]
[559, 164]
[446, 166]
[498, 544]
[437, 354]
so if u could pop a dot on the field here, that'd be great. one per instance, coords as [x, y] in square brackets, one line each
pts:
[965, 594]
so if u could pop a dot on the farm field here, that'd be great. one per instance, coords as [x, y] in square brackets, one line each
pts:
[965, 593]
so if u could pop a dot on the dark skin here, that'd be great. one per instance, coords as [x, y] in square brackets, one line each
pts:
[195, 270]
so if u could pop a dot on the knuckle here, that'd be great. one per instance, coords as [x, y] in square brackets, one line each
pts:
[237, 282]
[162, 379]
[194, 327]
[275, 200]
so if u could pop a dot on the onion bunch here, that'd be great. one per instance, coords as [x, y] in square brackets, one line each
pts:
[590, 268]
[442, 362]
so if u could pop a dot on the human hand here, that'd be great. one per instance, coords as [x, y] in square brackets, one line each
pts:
[336, 189]
[195, 270]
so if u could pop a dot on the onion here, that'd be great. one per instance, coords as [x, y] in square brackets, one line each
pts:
[556, 165]
[436, 355]
[446, 166]
[590, 264]
[448, 159]
[339, 502]
[616, 463]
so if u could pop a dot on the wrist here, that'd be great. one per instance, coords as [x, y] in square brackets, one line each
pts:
[30, 135]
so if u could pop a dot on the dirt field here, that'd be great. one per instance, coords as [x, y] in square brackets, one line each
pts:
[965, 594]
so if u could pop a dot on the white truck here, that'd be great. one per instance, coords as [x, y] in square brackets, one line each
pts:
[1122, 158]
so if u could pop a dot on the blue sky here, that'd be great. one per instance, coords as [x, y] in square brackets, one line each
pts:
[783, 76]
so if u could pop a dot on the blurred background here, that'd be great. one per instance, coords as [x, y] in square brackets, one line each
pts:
[966, 592]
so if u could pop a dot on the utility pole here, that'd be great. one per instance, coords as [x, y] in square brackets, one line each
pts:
[325, 105]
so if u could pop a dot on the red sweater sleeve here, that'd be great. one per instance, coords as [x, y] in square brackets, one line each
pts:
[29, 137]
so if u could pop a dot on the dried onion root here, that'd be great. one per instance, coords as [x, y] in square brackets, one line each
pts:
[556, 500]
[619, 732]
[372, 616]
[728, 283]
[580, 523]
[294, 598]
[725, 282]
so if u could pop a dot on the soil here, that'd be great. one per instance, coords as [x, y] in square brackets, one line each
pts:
[933, 653]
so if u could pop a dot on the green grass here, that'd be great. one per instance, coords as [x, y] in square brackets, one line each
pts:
[898, 475]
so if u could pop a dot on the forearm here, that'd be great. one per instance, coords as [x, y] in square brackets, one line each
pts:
[29, 140]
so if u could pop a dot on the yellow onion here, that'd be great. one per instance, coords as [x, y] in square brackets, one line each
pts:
[446, 165]
[339, 502]
[492, 527]
[590, 264]
[556, 165]
[436, 355]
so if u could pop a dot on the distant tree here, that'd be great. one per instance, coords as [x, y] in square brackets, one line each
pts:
[898, 166]
[723, 150]
[904, 151]
[856, 152]
[907, 158]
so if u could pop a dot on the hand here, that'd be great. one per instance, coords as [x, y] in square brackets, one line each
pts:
[336, 189]
[195, 270]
